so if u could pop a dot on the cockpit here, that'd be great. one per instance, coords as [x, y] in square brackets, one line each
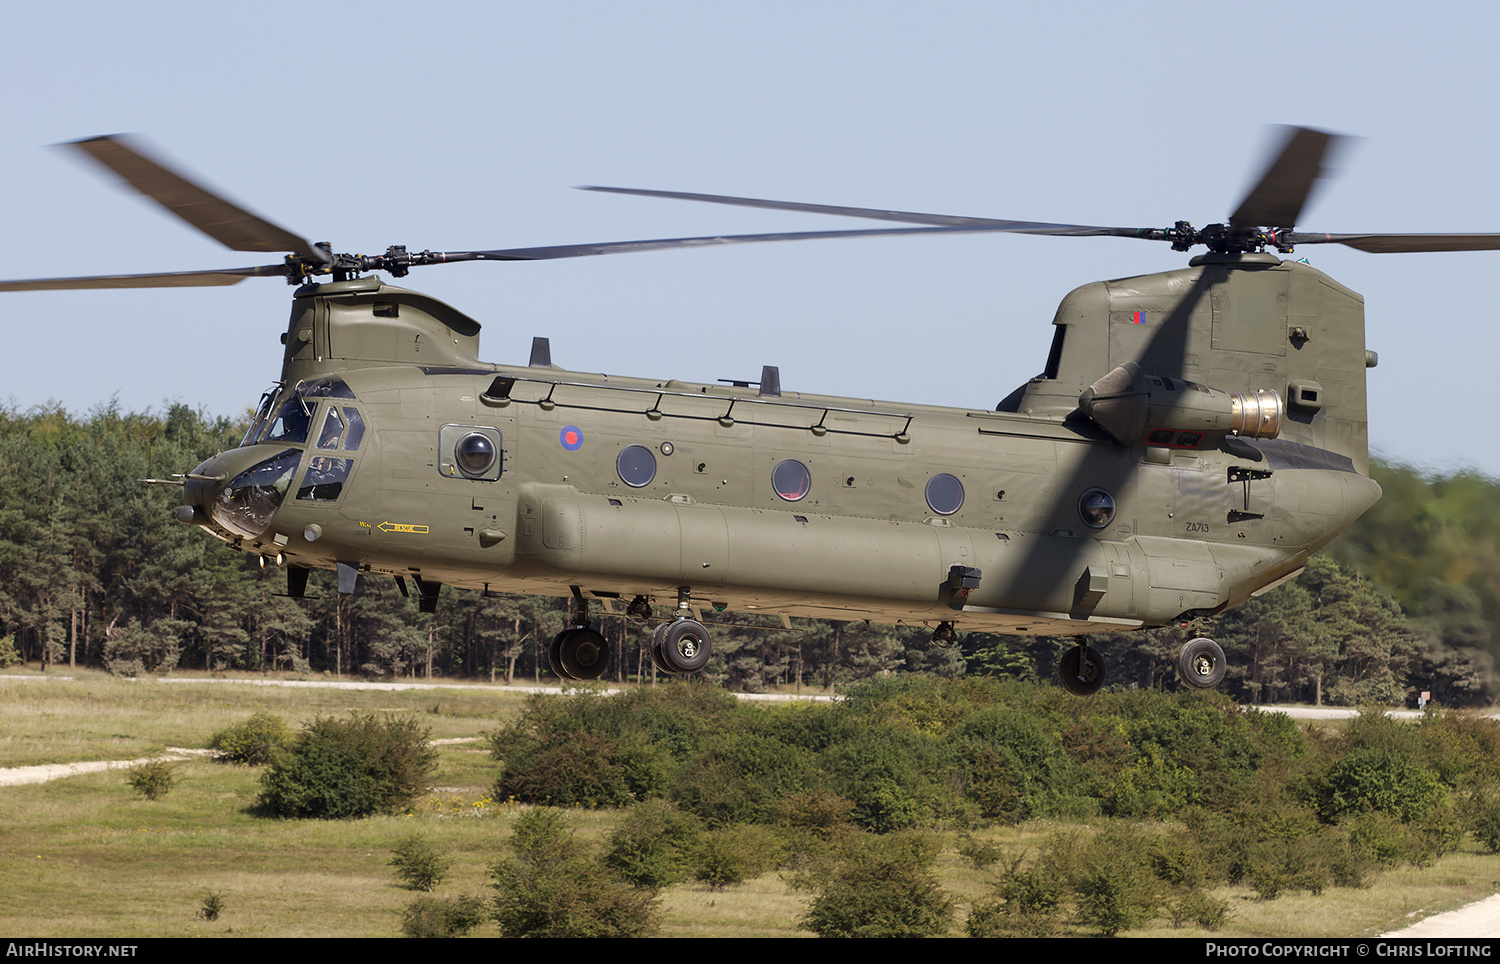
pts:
[286, 415]
[288, 418]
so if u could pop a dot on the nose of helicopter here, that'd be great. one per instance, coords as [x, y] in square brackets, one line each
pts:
[240, 490]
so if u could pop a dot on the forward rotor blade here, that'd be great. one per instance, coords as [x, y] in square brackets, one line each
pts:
[175, 279]
[627, 247]
[1283, 190]
[910, 217]
[1399, 243]
[225, 222]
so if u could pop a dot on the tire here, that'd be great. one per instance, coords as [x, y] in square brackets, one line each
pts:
[684, 646]
[1201, 663]
[583, 654]
[654, 649]
[1079, 676]
[554, 656]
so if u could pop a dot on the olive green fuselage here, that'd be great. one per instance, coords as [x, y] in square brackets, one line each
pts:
[636, 487]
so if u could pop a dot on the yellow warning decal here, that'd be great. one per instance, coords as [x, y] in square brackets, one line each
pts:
[401, 527]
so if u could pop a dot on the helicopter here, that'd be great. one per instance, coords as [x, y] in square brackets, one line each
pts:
[1193, 437]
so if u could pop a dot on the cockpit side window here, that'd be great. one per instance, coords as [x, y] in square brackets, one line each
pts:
[333, 427]
[356, 429]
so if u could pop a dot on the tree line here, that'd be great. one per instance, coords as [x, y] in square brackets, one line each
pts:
[95, 571]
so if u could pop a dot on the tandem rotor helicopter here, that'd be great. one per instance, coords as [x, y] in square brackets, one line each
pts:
[1193, 437]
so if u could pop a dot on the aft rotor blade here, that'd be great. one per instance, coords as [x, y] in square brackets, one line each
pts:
[627, 247]
[1284, 188]
[220, 219]
[1399, 243]
[909, 217]
[175, 279]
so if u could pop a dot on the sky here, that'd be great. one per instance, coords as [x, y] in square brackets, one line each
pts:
[467, 126]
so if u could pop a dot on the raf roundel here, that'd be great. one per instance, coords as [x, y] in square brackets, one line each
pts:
[571, 438]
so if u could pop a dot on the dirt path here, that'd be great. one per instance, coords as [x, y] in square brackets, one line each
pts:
[1476, 920]
[17, 776]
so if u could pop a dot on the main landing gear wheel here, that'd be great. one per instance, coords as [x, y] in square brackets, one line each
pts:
[579, 654]
[1080, 671]
[680, 647]
[1201, 663]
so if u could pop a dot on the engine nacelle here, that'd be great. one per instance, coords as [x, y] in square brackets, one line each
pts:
[1157, 410]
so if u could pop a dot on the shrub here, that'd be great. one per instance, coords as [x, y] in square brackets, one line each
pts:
[578, 770]
[212, 907]
[349, 768]
[419, 863]
[1153, 786]
[252, 742]
[595, 750]
[976, 854]
[1028, 892]
[1437, 834]
[152, 779]
[817, 811]
[883, 887]
[1194, 906]
[1464, 750]
[896, 777]
[733, 855]
[1115, 895]
[440, 917]
[1385, 840]
[1014, 765]
[740, 776]
[1286, 864]
[1380, 779]
[1108, 876]
[554, 887]
[1482, 815]
[991, 918]
[652, 845]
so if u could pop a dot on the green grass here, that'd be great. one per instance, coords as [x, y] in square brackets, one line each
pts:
[99, 717]
[88, 857]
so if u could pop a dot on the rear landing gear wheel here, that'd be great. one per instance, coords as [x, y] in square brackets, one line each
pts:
[554, 656]
[654, 648]
[1201, 663]
[583, 654]
[1080, 671]
[681, 647]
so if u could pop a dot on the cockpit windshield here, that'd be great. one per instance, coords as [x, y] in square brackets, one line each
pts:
[286, 416]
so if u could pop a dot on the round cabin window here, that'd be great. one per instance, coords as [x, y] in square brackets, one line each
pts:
[791, 480]
[636, 465]
[1097, 507]
[945, 494]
